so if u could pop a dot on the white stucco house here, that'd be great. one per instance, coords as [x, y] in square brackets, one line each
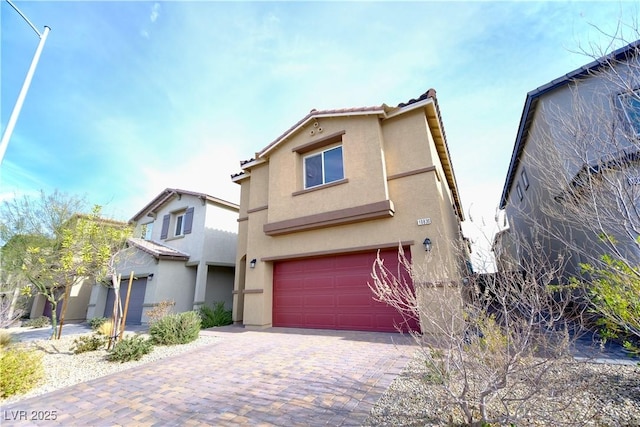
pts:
[183, 250]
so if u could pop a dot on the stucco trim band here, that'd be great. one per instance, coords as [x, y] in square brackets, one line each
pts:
[321, 187]
[253, 291]
[355, 249]
[383, 209]
[258, 209]
[414, 172]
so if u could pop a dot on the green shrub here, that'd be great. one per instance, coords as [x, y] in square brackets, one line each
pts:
[96, 322]
[132, 348]
[174, 329]
[38, 322]
[89, 343]
[21, 370]
[217, 316]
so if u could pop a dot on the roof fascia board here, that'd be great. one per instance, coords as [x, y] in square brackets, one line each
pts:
[241, 177]
[252, 163]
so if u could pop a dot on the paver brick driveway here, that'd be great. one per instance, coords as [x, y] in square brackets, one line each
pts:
[278, 376]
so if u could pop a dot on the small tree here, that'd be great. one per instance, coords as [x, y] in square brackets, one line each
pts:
[54, 244]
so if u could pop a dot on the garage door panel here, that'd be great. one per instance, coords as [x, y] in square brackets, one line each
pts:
[320, 320]
[353, 300]
[284, 301]
[312, 283]
[295, 320]
[319, 301]
[335, 293]
[294, 285]
[320, 265]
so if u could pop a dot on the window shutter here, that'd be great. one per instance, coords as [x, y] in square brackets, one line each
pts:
[188, 221]
[165, 226]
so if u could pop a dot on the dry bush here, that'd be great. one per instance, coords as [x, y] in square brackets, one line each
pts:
[160, 311]
[493, 343]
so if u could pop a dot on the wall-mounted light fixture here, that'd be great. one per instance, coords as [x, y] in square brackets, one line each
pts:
[252, 263]
[150, 277]
[427, 244]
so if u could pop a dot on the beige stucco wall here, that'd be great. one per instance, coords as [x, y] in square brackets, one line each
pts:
[363, 167]
[407, 147]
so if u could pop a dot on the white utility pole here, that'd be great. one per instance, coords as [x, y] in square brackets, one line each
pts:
[25, 86]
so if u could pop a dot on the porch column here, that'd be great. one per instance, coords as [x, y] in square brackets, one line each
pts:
[201, 285]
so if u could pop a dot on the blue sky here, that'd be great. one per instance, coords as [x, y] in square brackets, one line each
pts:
[131, 97]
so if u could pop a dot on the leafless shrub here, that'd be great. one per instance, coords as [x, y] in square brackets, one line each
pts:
[160, 310]
[493, 343]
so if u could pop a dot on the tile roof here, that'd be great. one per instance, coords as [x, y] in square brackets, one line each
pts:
[158, 250]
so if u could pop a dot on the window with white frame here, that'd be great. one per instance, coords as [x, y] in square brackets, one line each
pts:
[146, 230]
[324, 167]
[179, 230]
[630, 102]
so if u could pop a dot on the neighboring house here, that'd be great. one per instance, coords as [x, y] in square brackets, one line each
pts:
[320, 201]
[183, 250]
[574, 168]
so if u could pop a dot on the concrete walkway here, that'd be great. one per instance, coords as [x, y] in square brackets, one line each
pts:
[278, 376]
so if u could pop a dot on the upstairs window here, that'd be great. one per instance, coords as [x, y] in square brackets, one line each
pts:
[146, 231]
[630, 102]
[181, 222]
[179, 225]
[323, 168]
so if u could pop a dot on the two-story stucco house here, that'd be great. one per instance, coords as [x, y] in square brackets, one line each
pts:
[573, 175]
[184, 250]
[322, 199]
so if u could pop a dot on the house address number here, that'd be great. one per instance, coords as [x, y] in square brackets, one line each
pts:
[424, 221]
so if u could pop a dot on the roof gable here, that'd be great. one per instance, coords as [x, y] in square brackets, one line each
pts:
[169, 193]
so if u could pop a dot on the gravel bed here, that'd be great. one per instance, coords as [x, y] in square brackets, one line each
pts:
[595, 394]
[63, 368]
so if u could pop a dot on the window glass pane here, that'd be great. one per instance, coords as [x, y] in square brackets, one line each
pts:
[631, 104]
[333, 165]
[147, 230]
[313, 171]
[179, 225]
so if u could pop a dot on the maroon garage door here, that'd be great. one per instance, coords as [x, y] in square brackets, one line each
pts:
[332, 293]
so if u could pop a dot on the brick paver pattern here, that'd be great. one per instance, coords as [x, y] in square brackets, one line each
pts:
[272, 377]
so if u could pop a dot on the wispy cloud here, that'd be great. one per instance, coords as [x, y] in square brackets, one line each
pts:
[155, 12]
